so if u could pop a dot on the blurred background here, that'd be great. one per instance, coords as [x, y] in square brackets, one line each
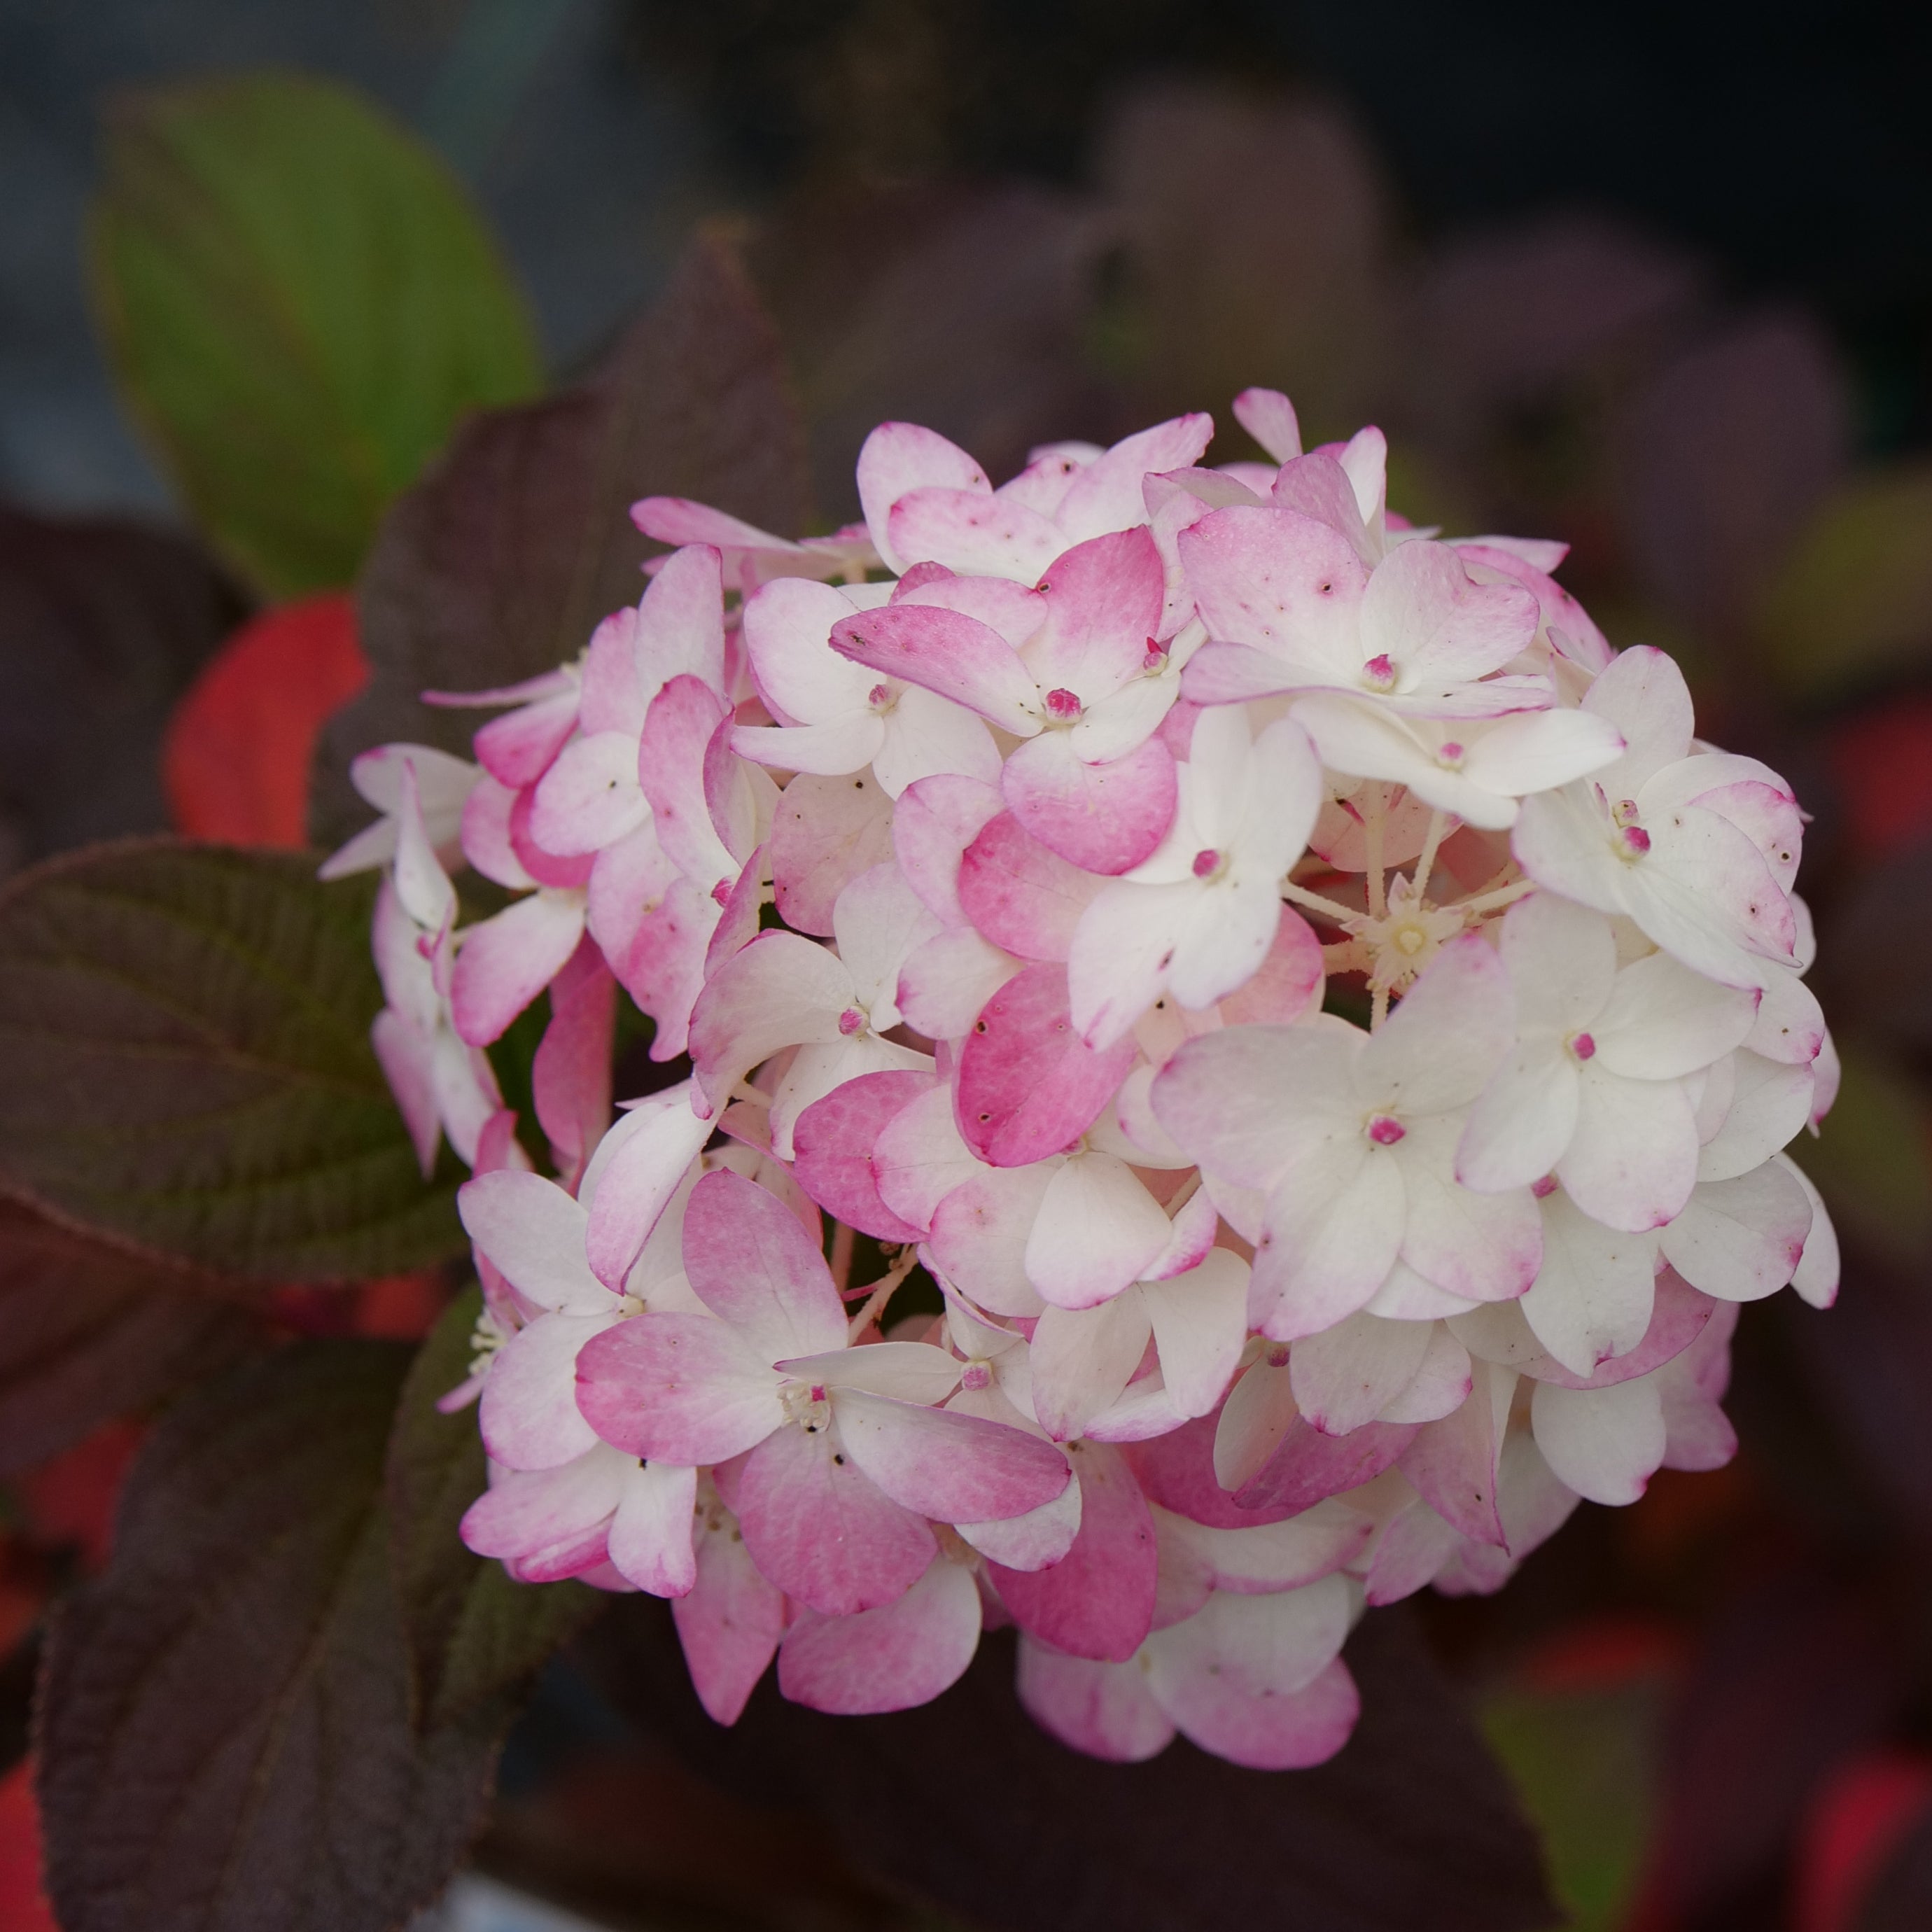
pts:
[1655, 279]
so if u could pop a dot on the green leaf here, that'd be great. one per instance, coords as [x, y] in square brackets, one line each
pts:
[472, 1633]
[184, 1065]
[500, 563]
[225, 1721]
[1585, 1763]
[1854, 600]
[1870, 1160]
[300, 302]
[88, 1332]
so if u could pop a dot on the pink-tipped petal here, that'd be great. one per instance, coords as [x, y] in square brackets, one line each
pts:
[1105, 818]
[505, 962]
[753, 1265]
[1028, 1084]
[902, 1654]
[677, 1388]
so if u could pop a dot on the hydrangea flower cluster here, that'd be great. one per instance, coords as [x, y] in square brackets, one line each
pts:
[1324, 1022]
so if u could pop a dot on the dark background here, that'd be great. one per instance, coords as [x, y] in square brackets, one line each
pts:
[1790, 146]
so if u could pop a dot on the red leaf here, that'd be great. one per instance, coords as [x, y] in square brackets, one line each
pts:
[1857, 1822]
[23, 1905]
[235, 759]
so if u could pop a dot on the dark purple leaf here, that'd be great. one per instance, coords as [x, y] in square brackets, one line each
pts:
[1900, 1899]
[102, 625]
[225, 1725]
[965, 310]
[88, 1332]
[184, 1065]
[501, 561]
[967, 1804]
[472, 1633]
[1793, 1676]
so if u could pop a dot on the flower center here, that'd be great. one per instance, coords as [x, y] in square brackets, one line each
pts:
[1378, 673]
[1543, 1188]
[1156, 659]
[880, 698]
[1403, 942]
[976, 1375]
[1207, 862]
[806, 1404]
[1063, 705]
[1384, 1130]
[1582, 1046]
[1450, 756]
[851, 1020]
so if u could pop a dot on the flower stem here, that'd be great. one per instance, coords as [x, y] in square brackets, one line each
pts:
[1495, 902]
[1338, 915]
[1438, 823]
[1371, 841]
[842, 1240]
[883, 1291]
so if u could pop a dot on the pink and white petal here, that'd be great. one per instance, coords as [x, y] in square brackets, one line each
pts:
[1268, 416]
[1219, 672]
[1771, 1105]
[947, 652]
[1097, 1230]
[1441, 1384]
[818, 1528]
[1522, 1121]
[1562, 959]
[977, 535]
[933, 822]
[1485, 1247]
[1789, 1024]
[786, 625]
[1358, 736]
[753, 1266]
[1103, 599]
[1190, 1239]
[1643, 693]
[1632, 1162]
[1703, 893]
[1537, 751]
[1010, 608]
[1562, 841]
[684, 1389]
[912, 1371]
[589, 797]
[825, 832]
[1742, 1239]
[1231, 1677]
[671, 754]
[529, 1416]
[1662, 1021]
[1098, 1601]
[652, 1151]
[1081, 1361]
[552, 1520]
[1592, 1297]
[1448, 1036]
[1106, 495]
[1282, 582]
[919, 1159]
[729, 1624]
[953, 1467]
[1122, 947]
[1105, 818]
[945, 983]
[1027, 1085]
[780, 991]
[1348, 1375]
[1285, 1555]
[1113, 727]
[503, 964]
[534, 1233]
[833, 749]
[898, 458]
[877, 920]
[516, 749]
[1605, 1444]
[650, 1536]
[818, 1070]
[1288, 985]
[979, 1232]
[832, 1141]
[893, 1658]
[926, 735]
[1333, 1230]
[1200, 1325]
[1422, 609]
[406, 1057]
[1039, 1538]
[1020, 895]
[1816, 1279]
[1307, 1467]
[1453, 1463]
[1411, 1549]
[1105, 1710]
[1219, 1096]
